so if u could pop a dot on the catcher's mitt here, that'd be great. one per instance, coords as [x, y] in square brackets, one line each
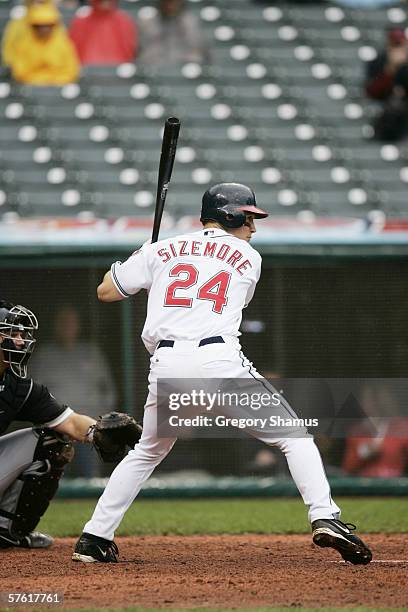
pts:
[112, 433]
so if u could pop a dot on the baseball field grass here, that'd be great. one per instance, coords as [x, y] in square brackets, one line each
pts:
[228, 516]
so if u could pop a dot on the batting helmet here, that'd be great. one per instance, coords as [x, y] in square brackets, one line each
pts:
[229, 203]
[17, 321]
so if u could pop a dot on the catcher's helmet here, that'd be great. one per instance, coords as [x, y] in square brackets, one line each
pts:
[16, 320]
[228, 204]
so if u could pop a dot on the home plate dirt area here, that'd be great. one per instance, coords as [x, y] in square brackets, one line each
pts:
[215, 571]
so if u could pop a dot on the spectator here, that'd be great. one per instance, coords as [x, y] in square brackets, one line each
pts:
[16, 28]
[380, 453]
[69, 359]
[267, 462]
[171, 36]
[387, 81]
[103, 34]
[44, 55]
[382, 72]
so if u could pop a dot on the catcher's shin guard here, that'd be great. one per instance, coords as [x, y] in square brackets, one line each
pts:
[27, 499]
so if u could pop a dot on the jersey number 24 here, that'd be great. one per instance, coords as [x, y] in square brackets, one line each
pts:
[215, 289]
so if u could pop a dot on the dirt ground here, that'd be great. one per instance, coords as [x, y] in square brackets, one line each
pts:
[215, 571]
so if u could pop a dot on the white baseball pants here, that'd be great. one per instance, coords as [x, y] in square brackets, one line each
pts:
[188, 360]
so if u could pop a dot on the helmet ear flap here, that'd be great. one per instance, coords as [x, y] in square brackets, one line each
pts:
[232, 218]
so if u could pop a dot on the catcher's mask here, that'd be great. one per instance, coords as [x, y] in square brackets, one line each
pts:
[17, 327]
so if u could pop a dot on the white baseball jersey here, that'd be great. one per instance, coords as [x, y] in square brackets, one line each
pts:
[210, 275]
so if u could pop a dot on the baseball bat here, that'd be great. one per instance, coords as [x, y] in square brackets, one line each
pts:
[167, 156]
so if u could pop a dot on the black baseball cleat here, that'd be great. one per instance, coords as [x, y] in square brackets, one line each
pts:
[333, 533]
[93, 549]
[35, 539]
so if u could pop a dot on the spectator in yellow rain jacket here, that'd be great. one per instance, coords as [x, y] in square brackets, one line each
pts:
[44, 55]
[16, 28]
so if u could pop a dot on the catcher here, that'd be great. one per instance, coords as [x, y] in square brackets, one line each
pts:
[32, 460]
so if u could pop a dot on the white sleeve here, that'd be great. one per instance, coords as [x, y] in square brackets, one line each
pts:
[253, 278]
[133, 274]
[60, 419]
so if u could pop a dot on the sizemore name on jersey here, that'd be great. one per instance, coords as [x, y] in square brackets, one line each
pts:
[210, 272]
[198, 248]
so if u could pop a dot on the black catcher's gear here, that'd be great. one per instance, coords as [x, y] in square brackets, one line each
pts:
[17, 327]
[113, 433]
[28, 497]
[22, 399]
[35, 539]
[229, 203]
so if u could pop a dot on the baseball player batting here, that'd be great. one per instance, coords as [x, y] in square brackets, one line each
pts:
[32, 460]
[198, 283]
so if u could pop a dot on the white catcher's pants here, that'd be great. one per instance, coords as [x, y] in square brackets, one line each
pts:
[187, 360]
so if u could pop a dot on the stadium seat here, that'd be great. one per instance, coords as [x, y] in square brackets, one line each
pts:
[280, 107]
